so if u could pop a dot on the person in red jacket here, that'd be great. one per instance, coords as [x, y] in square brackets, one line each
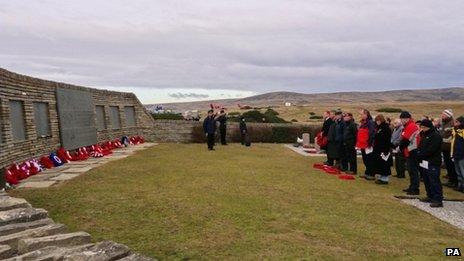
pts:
[408, 145]
[364, 141]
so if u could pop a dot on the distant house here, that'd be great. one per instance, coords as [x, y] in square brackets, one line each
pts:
[288, 104]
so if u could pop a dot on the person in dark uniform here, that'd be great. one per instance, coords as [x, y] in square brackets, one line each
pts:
[243, 131]
[382, 150]
[328, 120]
[222, 119]
[209, 127]
[349, 161]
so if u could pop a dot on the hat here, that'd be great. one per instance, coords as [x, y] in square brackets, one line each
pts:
[448, 112]
[427, 123]
[461, 120]
[405, 115]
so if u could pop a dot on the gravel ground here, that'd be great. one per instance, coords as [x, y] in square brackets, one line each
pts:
[452, 211]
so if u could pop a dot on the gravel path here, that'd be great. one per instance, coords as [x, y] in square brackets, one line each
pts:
[452, 211]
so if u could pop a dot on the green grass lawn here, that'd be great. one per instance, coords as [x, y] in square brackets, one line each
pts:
[184, 202]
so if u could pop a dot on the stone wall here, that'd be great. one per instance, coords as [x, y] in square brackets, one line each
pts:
[16, 87]
[192, 131]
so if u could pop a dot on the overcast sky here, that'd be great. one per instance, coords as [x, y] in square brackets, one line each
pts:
[203, 49]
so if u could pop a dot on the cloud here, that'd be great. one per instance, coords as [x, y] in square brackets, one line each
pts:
[180, 95]
[259, 46]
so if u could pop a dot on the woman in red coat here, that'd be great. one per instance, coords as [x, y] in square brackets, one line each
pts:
[364, 141]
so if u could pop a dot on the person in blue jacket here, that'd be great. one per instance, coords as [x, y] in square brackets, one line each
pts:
[209, 127]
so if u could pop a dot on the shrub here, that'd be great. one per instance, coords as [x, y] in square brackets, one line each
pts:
[315, 117]
[167, 116]
[312, 113]
[389, 109]
[294, 120]
[270, 116]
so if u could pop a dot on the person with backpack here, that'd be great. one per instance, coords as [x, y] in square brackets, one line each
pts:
[365, 141]
[349, 162]
[429, 159]
[209, 127]
[457, 151]
[408, 146]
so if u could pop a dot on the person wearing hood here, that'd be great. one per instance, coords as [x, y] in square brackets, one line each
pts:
[349, 162]
[408, 146]
[382, 150]
[446, 132]
[365, 141]
[429, 158]
[400, 166]
[335, 141]
[457, 151]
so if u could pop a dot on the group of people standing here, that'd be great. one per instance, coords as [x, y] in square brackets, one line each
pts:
[210, 125]
[415, 146]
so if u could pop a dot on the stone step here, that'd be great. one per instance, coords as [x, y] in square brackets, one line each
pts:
[18, 227]
[60, 240]
[5, 251]
[48, 230]
[50, 253]
[20, 215]
[106, 250]
[136, 257]
[8, 203]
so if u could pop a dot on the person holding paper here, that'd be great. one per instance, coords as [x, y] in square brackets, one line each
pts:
[408, 146]
[429, 158]
[382, 150]
[364, 142]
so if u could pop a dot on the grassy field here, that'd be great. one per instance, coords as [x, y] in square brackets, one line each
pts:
[418, 109]
[263, 202]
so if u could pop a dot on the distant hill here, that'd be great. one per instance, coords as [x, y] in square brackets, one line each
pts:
[279, 98]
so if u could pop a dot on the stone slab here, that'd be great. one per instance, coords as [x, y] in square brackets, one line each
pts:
[20, 215]
[36, 184]
[42, 177]
[5, 251]
[78, 169]
[7, 203]
[17, 227]
[48, 230]
[64, 177]
[60, 240]
[106, 250]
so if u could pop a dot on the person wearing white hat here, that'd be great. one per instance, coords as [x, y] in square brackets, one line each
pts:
[446, 129]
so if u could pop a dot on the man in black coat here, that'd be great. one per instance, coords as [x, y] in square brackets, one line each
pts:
[244, 139]
[209, 127]
[349, 160]
[328, 120]
[335, 141]
[429, 158]
[222, 119]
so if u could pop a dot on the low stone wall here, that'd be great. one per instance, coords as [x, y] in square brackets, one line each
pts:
[192, 131]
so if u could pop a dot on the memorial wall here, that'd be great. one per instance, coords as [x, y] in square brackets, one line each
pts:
[39, 116]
